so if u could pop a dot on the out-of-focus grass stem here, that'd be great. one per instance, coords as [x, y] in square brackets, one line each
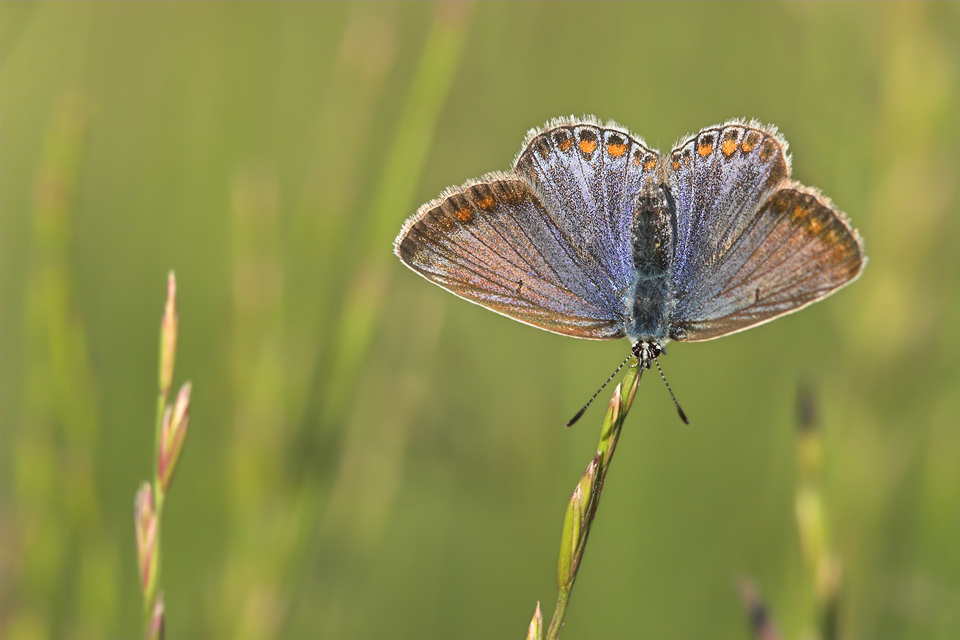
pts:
[761, 624]
[812, 524]
[62, 591]
[393, 198]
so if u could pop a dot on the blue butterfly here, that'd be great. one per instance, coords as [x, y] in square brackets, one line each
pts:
[595, 235]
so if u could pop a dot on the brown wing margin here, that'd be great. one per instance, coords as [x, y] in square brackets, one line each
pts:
[493, 242]
[797, 250]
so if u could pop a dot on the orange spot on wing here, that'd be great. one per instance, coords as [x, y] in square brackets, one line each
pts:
[616, 150]
[729, 143]
[705, 149]
[564, 145]
[800, 212]
[814, 226]
[486, 202]
[512, 195]
[769, 148]
[650, 162]
[750, 141]
[442, 222]
[588, 146]
[464, 215]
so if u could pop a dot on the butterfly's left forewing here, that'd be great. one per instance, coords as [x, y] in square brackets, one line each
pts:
[494, 243]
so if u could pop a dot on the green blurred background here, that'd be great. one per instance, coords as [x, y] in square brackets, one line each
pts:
[371, 457]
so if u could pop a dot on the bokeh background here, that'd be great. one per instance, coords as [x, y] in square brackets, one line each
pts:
[371, 457]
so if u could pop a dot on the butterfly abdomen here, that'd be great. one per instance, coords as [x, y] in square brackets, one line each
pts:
[650, 300]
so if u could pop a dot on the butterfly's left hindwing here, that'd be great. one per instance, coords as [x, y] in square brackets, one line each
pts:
[493, 242]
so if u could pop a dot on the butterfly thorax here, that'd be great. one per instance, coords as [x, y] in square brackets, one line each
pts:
[650, 296]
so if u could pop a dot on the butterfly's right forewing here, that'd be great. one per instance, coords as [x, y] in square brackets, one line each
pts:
[718, 178]
[751, 244]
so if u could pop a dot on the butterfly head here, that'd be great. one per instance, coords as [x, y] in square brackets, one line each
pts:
[646, 351]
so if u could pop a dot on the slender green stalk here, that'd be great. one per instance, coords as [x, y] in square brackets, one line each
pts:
[169, 434]
[559, 613]
[168, 341]
[586, 497]
[150, 595]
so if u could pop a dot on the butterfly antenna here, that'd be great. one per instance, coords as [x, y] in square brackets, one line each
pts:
[683, 416]
[594, 396]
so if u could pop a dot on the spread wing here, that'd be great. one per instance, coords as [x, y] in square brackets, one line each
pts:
[589, 176]
[751, 244]
[495, 243]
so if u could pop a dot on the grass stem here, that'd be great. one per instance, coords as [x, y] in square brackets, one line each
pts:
[586, 497]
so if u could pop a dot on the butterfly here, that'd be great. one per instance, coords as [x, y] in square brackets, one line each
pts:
[595, 235]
